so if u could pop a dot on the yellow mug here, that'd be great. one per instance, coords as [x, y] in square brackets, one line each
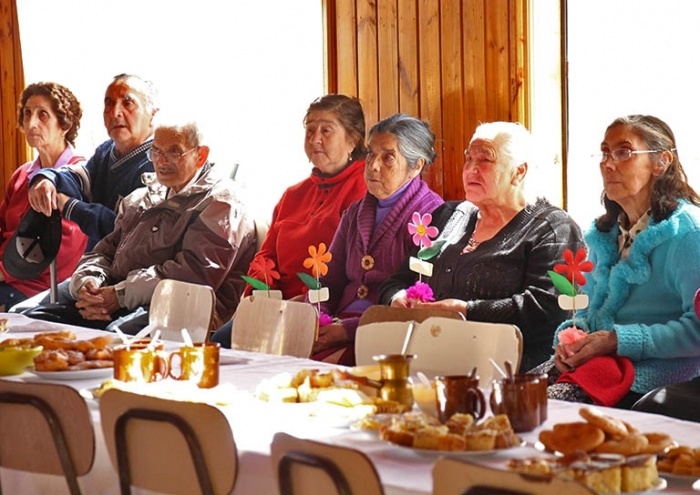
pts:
[198, 363]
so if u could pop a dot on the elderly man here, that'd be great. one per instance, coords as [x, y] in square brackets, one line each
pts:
[186, 224]
[89, 195]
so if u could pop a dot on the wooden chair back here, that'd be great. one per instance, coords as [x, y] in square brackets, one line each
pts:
[443, 346]
[45, 428]
[168, 446]
[176, 305]
[378, 313]
[458, 477]
[274, 326]
[307, 467]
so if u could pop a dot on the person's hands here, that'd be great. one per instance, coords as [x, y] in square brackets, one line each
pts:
[400, 302]
[61, 200]
[447, 304]
[97, 303]
[330, 336]
[42, 197]
[569, 357]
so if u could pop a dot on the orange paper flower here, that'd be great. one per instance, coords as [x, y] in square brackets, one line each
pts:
[317, 261]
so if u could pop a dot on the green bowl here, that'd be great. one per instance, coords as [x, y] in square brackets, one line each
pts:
[14, 360]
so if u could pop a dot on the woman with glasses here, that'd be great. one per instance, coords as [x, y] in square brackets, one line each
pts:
[645, 249]
[498, 245]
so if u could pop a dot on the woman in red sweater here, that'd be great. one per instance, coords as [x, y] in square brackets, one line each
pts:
[309, 212]
[49, 116]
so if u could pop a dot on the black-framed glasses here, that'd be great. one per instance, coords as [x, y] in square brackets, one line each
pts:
[170, 156]
[621, 154]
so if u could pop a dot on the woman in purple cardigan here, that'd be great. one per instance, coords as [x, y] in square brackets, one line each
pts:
[372, 239]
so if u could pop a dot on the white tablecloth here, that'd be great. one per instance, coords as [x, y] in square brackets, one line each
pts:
[254, 423]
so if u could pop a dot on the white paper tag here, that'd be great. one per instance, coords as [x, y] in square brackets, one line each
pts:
[580, 301]
[269, 294]
[420, 266]
[316, 296]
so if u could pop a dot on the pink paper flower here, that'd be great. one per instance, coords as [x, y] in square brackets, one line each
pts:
[420, 291]
[421, 230]
[324, 319]
[571, 335]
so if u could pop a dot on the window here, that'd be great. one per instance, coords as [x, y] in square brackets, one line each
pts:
[246, 71]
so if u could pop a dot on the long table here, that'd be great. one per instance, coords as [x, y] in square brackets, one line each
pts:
[402, 471]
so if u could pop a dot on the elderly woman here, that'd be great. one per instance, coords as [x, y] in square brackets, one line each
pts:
[644, 249]
[373, 239]
[49, 116]
[309, 212]
[493, 265]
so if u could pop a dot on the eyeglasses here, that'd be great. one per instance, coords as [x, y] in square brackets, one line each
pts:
[621, 155]
[170, 156]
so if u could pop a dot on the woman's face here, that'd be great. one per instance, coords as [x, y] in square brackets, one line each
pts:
[629, 183]
[327, 144]
[487, 177]
[40, 125]
[386, 169]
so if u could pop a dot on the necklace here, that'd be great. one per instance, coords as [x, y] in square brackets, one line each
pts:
[472, 243]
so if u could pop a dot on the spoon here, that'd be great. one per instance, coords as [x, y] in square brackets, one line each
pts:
[423, 379]
[509, 369]
[498, 368]
[473, 372]
[407, 340]
[186, 337]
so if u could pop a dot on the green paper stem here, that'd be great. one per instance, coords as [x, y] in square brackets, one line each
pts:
[255, 283]
[309, 281]
[562, 284]
[429, 252]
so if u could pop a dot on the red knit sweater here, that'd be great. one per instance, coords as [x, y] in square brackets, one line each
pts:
[307, 214]
[13, 207]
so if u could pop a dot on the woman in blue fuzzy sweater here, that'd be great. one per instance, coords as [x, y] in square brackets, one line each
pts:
[645, 250]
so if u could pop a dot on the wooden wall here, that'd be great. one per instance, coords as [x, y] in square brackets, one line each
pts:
[453, 63]
[13, 147]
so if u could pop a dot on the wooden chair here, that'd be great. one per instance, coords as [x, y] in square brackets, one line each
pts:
[176, 305]
[274, 326]
[443, 346]
[307, 467]
[378, 313]
[457, 477]
[45, 428]
[168, 446]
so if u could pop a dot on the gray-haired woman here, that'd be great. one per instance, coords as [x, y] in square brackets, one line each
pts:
[499, 247]
[372, 239]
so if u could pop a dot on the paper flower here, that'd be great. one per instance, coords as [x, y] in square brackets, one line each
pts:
[570, 336]
[420, 291]
[574, 266]
[267, 268]
[318, 259]
[421, 230]
[324, 319]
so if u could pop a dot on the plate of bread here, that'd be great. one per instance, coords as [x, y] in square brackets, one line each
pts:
[461, 435]
[65, 357]
[680, 462]
[604, 452]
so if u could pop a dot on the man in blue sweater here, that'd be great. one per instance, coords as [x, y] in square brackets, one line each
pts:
[90, 194]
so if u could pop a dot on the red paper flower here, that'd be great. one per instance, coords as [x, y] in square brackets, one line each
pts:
[266, 267]
[574, 266]
[421, 292]
[421, 229]
[317, 261]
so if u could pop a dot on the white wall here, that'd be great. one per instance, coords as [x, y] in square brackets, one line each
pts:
[247, 71]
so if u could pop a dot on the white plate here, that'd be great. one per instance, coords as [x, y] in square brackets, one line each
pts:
[75, 375]
[455, 453]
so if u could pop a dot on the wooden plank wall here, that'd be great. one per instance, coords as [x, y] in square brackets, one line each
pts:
[13, 147]
[453, 63]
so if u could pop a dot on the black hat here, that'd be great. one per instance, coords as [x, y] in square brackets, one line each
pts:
[34, 245]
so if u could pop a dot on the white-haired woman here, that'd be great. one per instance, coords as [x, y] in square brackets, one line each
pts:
[493, 266]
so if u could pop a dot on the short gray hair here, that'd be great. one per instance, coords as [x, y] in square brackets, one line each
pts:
[414, 136]
[144, 87]
[512, 140]
[187, 127]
